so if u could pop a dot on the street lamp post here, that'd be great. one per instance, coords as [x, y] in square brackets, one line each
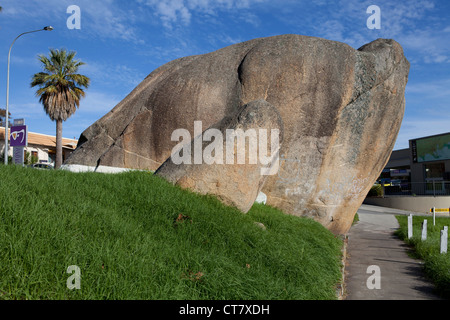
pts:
[47, 28]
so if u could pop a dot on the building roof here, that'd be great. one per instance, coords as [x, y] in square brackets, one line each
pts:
[44, 140]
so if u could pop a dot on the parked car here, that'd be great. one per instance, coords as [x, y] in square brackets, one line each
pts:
[42, 166]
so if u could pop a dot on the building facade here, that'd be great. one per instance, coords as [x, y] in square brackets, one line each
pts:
[423, 168]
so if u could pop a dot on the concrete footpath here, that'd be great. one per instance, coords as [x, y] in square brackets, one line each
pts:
[377, 265]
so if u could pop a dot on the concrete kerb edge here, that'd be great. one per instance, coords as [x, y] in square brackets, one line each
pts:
[102, 169]
[341, 289]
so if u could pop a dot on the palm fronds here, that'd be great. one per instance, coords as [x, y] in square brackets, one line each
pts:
[60, 86]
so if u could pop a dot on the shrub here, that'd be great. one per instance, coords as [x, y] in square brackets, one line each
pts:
[375, 191]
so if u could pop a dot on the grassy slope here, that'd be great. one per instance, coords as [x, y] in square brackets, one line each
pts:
[121, 231]
[436, 265]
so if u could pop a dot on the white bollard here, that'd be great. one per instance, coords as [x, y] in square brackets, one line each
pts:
[434, 216]
[410, 227]
[444, 237]
[424, 230]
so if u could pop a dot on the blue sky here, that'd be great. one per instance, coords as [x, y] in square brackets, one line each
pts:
[123, 41]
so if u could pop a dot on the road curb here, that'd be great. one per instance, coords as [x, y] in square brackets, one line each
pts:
[340, 290]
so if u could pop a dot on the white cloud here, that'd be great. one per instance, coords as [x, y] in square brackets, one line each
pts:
[33, 110]
[97, 102]
[181, 11]
[113, 75]
[94, 106]
[413, 24]
[412, 129]
[94, 102]
[432, 45]
[98, 18]
[431, 89]
[172, 10]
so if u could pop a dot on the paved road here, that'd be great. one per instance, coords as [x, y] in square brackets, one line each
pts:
[371, 243]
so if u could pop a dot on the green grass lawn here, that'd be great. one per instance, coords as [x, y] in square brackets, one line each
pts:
[135, 236]
[436, 265]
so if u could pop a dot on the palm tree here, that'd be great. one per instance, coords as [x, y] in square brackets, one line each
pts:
[60, 89]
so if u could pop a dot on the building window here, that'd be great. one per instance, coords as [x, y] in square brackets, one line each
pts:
[34, 157]
[434, 170]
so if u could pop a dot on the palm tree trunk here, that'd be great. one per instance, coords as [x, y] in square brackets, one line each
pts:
[58, 161]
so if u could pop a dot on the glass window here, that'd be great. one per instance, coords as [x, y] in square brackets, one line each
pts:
[434, 170]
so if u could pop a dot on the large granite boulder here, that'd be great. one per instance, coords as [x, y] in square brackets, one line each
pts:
[341, 109]
[230, 160]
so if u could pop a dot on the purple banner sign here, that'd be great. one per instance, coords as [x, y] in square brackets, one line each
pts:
[18, 136]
